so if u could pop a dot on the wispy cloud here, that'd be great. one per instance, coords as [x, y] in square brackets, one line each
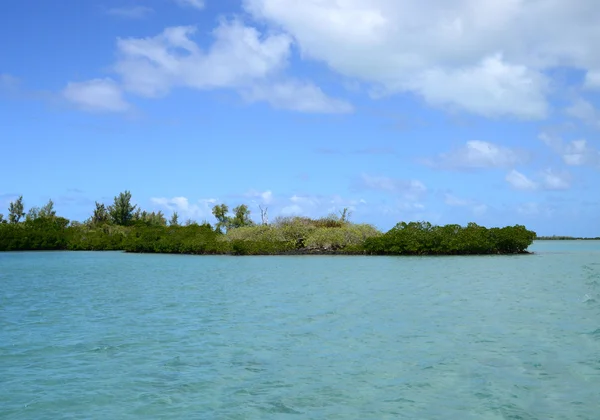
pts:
[296, 96]
[478, 154]
[573, 153]
[196, 4]
[546, 180]
[584, 111]
[98, 95]
[476, 207]
[134, 12]
[411, 187]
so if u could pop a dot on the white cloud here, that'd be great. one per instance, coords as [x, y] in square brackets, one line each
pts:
[488, 57]
[584, 111]
[491, 88]
[529, 209]
[265, 197]
[592, 80]
[552, 180]
[103, 95]
[135, 12]
[519, 181]
[452, 200]
[547, 180]
[240, 58]
[198, 211]
[296, 96]
[573, 153]
[409, 188]
[478, 209]
[479, 154]
[196, 4]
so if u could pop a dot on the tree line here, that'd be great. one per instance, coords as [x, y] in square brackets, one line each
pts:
[124, 226]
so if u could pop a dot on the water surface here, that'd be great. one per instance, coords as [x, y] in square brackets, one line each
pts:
[113, 335]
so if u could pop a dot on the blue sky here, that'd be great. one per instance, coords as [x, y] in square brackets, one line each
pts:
[446, 111]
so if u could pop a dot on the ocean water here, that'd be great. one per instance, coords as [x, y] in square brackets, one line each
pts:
[120, 336]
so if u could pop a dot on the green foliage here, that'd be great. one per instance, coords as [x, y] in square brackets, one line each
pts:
[16, 210]
[48, 211]
[174, 221]
[241, 217]
[421, 238]
[121, 212]
[122, 226]
[340, 238]
[220, 212]
[2, 219]
[37, 234]
[100, 215]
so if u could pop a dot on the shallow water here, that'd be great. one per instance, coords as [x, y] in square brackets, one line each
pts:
[113, 335]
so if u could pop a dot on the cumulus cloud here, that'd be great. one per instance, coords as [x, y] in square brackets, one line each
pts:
[584, 111]
[239, 55]
[546, 180]
[573, 153]
[198, 211]
[135, 12]
[487, 57]
[240, 58]
[479, 154]
[102, 95]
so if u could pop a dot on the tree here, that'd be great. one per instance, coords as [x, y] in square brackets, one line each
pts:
[345, 215]
[174, 221]
[121, 212]
[100, 215]
[220, 212]
[48, 210]
[16, 210]
[264, 216]
[241, 217]
[2, 219]
[33, 214]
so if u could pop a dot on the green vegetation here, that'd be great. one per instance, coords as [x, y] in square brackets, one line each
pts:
[124, 226]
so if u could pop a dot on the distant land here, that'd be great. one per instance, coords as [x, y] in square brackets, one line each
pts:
[565, 238]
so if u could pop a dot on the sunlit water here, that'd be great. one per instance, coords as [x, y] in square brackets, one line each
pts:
[117, 336]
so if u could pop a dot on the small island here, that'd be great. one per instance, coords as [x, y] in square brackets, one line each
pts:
[125, 227]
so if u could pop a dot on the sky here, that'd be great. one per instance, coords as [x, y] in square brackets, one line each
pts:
[449, 111]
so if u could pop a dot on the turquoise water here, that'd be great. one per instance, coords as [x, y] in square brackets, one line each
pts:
[118, 336]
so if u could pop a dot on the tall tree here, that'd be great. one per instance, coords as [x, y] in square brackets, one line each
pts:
[220, 212]
[33, 214]
[174, 221]
[2, 219]
[121, 212]
[241, 217]
[48, 211]
[100, 215]
[16, 210]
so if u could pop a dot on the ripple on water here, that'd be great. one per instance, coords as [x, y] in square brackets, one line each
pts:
[111, 335]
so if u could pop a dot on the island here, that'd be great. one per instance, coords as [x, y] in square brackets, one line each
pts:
[125, 227]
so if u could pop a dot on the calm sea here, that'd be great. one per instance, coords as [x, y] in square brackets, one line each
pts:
[119, 336]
